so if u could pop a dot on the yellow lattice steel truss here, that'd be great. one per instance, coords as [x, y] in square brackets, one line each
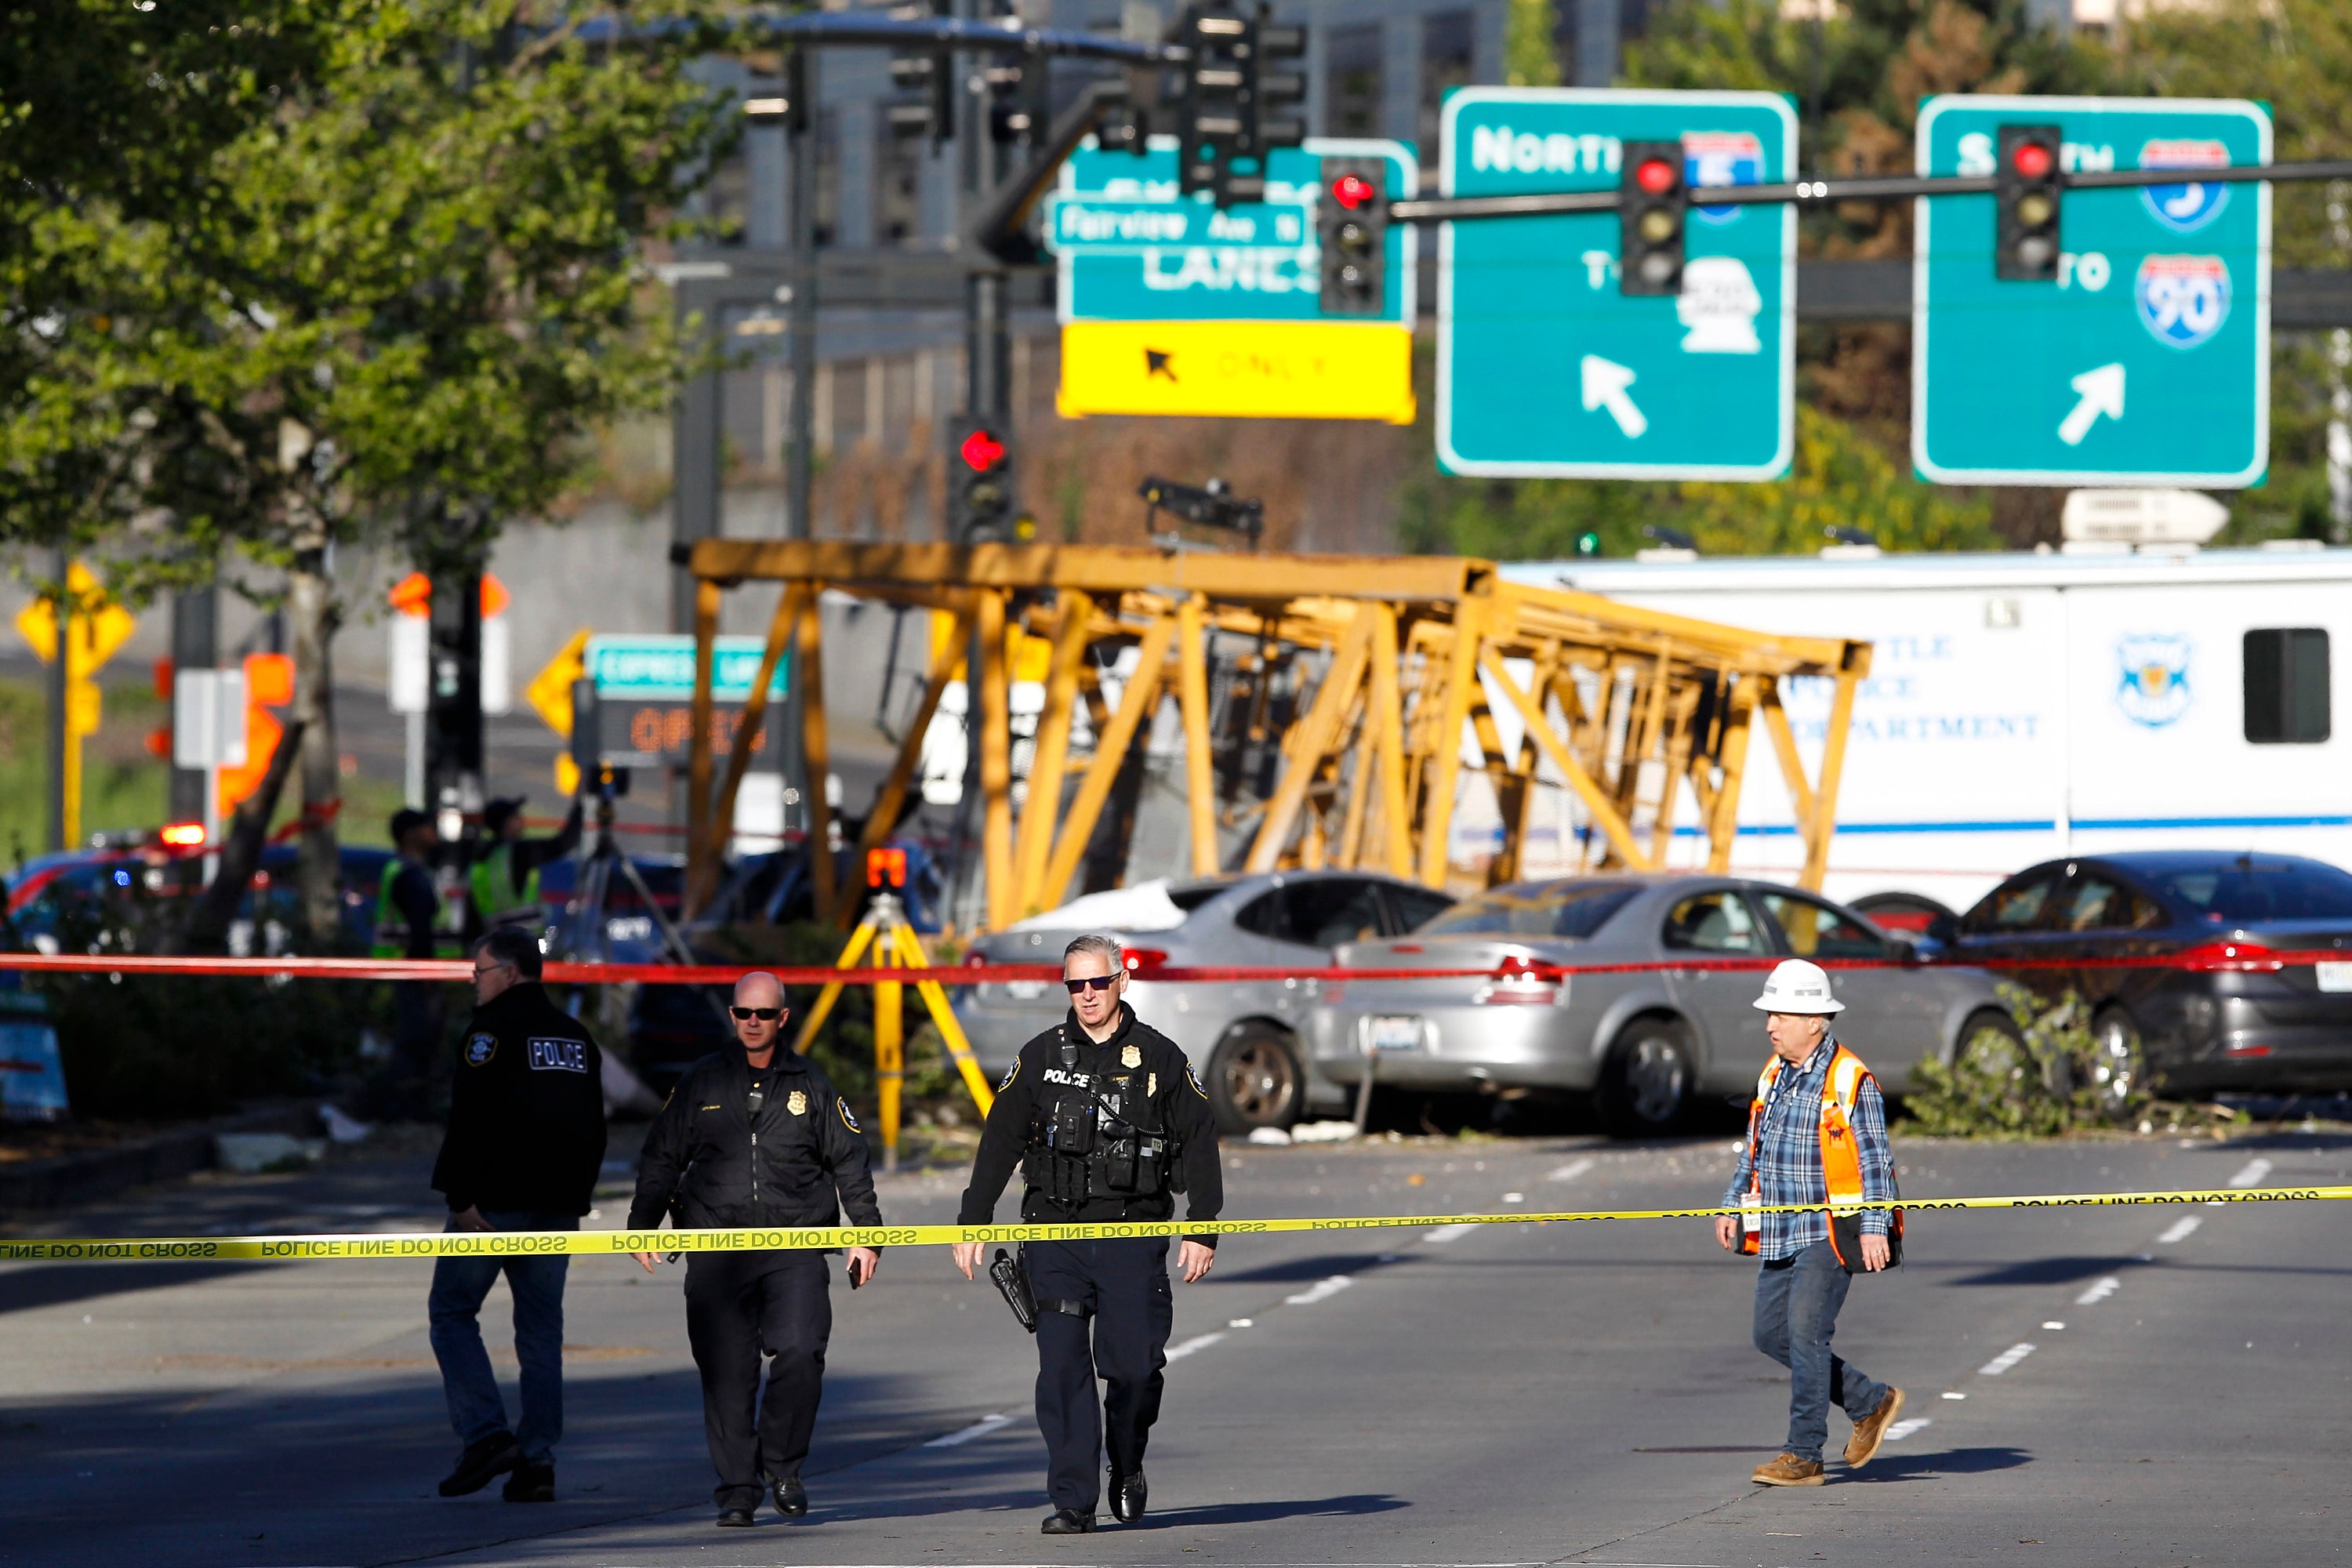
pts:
[1384, 664]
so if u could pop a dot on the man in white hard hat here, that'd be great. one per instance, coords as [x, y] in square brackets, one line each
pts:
[1816, 1135]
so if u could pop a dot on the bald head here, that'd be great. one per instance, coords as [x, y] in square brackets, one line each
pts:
[757, 993]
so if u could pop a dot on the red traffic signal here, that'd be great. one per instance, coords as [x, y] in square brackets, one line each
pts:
[2030, 159]
[1656, 176]
[1354, 192]
[981, 452]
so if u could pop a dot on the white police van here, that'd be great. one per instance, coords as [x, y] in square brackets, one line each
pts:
[2026, 706]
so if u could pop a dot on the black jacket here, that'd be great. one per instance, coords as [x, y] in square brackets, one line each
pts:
[709, 1163]
[1184, 1110]
[526, 1109]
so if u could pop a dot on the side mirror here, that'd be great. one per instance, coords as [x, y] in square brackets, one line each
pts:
[1943, 929]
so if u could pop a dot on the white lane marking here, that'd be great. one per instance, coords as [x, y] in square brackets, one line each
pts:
[1570, 1171]
[2254, 1173]
[980, 1428]
[1242, 1323]
[2005, 1360]
[2099, 1292]
[2180, 1229]
[2054, 1325]
[1197, 1342]
[1515, 1197]
[1949, 1395]
[1445, 1233]
[1322, 1291]
[1907, 1426]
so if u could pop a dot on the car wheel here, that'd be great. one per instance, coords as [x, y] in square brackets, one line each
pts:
[1646, 1083]
[2117, 1071]
[1254, 1079]
[1988, 1035]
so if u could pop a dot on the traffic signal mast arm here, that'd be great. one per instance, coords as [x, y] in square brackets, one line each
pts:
[1828, 193]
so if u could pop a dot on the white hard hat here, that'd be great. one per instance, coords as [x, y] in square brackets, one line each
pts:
[1796, 986]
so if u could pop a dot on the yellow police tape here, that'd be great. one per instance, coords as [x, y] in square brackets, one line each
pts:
[516, 1243]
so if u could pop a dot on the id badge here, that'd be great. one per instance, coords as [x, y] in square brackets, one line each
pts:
[1751, 1215]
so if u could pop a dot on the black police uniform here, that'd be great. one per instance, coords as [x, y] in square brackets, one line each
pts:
[737, 1145]
[1101, 1132]
[526, 1138]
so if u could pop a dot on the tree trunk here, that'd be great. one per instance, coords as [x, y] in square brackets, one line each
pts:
[249, 833]
[311, 618]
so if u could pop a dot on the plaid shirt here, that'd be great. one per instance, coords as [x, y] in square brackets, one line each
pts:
[1785, 1157]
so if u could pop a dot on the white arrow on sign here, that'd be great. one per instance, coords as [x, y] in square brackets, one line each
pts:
[2102, 392]
[1605, 382]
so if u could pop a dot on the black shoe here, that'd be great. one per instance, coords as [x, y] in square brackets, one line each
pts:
[533, 1481]
[493, 1456]
[1127, 1496]
[1067, 1521]
[735, 1518]
[792, 1498]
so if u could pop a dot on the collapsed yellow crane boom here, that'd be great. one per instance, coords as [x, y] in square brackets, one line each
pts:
[1385, 660]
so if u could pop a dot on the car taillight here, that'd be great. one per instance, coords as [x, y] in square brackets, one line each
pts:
[2228, 956]
[1524, 982]
[1142, 960]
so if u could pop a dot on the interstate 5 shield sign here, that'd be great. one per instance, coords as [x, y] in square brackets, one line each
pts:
[2147, 360]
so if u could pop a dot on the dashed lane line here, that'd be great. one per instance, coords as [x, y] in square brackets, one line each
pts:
[1445, 1233]
[1321, 1291]
[980, 1428]
[2005, 1360]
[1197, 1342]
[2180, 1229]
[1570, 1171]
[2099, 1292]
[1908, 1427]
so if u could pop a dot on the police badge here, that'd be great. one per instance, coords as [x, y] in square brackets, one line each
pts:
[796, 1102]
[1133, 1056]
[480, 1048]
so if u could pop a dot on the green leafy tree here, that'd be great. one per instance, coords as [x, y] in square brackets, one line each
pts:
[412, 293]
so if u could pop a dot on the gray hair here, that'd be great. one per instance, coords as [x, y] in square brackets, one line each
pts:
[1105, 947]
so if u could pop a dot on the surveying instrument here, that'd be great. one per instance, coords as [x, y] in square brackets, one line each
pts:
[586, 935]
[893, 943]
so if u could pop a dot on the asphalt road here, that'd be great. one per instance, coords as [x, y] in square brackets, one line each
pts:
[2133, 1386]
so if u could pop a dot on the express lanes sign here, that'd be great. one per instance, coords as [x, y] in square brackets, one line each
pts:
[1172, 305]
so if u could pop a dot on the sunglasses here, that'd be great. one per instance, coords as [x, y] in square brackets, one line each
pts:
[765, 1015]
[1091, 983]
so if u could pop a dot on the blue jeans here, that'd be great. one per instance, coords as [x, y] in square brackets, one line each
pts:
[1797, 1306]
[459, 1286]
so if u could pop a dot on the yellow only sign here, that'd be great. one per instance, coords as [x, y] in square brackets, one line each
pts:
[1249, 370]
[550, 696]
[99, 625]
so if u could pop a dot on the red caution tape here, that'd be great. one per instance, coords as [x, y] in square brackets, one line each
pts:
[2210, 958]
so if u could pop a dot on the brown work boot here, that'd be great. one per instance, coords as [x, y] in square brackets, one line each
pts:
[1788, 1471]
[1871, 1430]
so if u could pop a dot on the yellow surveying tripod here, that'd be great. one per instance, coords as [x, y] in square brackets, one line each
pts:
[895, 945]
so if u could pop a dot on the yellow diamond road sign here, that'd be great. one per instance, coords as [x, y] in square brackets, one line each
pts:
[100, 625]
[550, 691]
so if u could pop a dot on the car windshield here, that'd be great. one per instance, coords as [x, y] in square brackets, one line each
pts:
[1551, 909]
[2251, 890]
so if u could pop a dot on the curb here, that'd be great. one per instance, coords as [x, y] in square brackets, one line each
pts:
[96, 1173]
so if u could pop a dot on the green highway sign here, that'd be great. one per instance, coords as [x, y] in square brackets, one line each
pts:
[2147, 359]
[1132, 249]
[662, 666]
[1544, 368]
[1172, 306]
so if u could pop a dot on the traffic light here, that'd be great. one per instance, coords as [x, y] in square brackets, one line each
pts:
[980, 481]
[1352, 220]
[928, 76]
[1653, 204]
[2026, 189]
[1020, 98]
[1588, 543]
[1221, 99]
[1277, 89]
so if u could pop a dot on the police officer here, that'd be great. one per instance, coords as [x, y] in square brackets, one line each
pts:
[1107, 1122]
[526, 1136]
[410, 922]
[753, 1136]
[504, 882]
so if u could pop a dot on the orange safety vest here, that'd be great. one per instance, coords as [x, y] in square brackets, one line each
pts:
[1840, 1161]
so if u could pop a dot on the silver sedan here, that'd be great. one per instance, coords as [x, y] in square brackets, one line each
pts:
[1646, 1043]
[1242, 1038]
